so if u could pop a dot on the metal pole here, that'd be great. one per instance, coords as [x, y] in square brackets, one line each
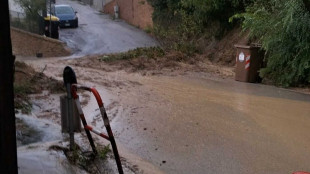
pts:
[69, 79]
[112, 141]
[90, 138]
[70, 116]
[104, 115]
[50, 28]
[108, 128]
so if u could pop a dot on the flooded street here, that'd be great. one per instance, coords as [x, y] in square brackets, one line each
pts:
[170, 112]
[188, 125]
[200, 123]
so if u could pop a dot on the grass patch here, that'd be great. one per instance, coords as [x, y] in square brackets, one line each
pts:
[77, 157]
[148, 29]
[86, 160]
[21, 99]
[103, 152]
[149, 53]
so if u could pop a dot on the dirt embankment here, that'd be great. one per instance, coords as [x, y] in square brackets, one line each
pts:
[27, 81]
[28, 44]
[26, 75]
[223, 51]
[218, 57]
[171, 63]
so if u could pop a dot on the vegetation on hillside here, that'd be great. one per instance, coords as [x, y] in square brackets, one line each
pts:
[181, 23]
[282, 26]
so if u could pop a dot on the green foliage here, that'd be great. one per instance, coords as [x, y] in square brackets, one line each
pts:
[282, 26]
[102, 153]
[205, 11]
[148, 29]
[180, 23]
[21, 99]
[201, 11]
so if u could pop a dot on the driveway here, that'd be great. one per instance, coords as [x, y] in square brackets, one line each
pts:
[99, 34]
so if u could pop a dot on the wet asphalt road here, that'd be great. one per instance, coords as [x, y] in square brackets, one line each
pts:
[207, 125]
[99, 34]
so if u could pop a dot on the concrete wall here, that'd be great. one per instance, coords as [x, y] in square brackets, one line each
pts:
[28, 44]
[98, 4]
[136, 12]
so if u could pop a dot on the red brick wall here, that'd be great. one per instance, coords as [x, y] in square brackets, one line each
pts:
[28, 44]
[136, 12]
[109, 7]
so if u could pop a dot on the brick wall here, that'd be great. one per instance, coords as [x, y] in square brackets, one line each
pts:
[136, 12]
[28, 44]
[109, 7]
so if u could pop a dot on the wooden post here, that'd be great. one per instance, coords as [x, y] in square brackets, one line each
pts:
[8, 154]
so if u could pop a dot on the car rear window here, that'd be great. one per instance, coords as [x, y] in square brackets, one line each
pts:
[64, 10]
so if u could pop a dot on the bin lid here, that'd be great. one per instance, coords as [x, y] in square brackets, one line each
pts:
[53, 18]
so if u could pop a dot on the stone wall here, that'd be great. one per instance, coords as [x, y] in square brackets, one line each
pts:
[28, 44]
[136, 12]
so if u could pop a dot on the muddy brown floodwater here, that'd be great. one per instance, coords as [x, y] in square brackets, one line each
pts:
[198, 123]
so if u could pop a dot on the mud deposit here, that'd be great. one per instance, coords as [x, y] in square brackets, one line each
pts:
[196, 122]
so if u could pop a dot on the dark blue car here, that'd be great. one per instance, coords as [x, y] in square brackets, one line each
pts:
[67, 16]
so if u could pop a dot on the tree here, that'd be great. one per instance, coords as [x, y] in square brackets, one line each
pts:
[34, 10]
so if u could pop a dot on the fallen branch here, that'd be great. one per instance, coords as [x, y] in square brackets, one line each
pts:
[39, 73]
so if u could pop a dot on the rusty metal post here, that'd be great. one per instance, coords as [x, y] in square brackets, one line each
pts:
[112, 140]
[106, 121]
[90, 138]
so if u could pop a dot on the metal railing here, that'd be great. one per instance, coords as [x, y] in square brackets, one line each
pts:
[72, 89]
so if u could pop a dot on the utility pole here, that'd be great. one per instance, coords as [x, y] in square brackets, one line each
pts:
[8, 154]
[50, 25]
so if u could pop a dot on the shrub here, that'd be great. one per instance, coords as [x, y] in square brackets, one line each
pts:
[180, 23]
[282, 26]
